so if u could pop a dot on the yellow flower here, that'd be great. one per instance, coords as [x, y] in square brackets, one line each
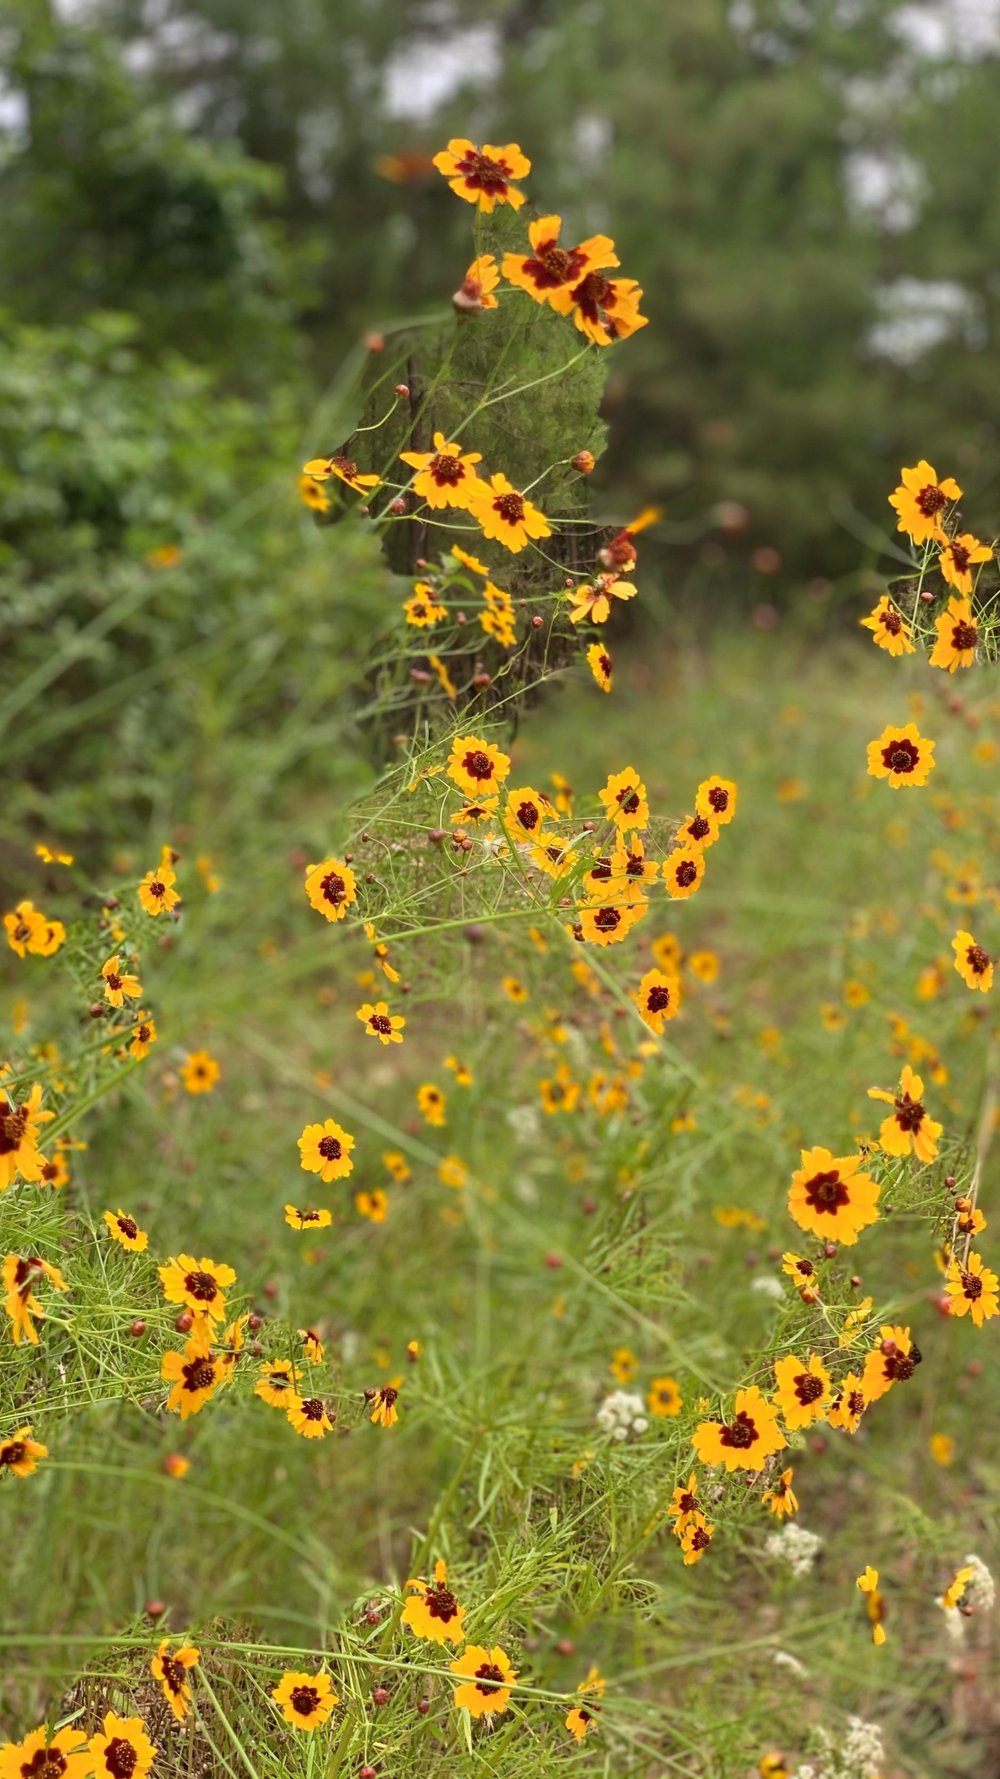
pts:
[747, 1440]
[972, 1289]
[874, 1603]
[658, 998]
[909, 1129]
[452, 1171]
[782, 1499]
[593, 601]
[483, 176]
[624, 800]
[605, 309]
[305, 1700]
[445, 476]
[123, 1748]
[28, 930]
[126, 1230]
[143, 1037]
[623, 1365]
[831, 1198]
[683, 871]
[118, 983]
[476, 767]
[956, 559]
[19, 1455]
[194, 1374]
[311, 494]
[601, 665]
[663, 1398]
[200, 1284]
[307, 1219]
[431, 1102]
[506, 515]
[156, 891]
[551, 269]
[942, 1448]
[974, 965]
[200, 1072]
[331, 887]
[957, 636]
[384, 1412]
[374, 1204]
[398, 1166]
[804, 1390]
[308, 1416]
[716, 797]
[343, 468]
[422, 610]
[325, 1149]
[171, 1668]
[488, 1677]
[380, 1023]
[920, 500]
[432, 1612]
[477, 287]
[889, 628]
[608, 926]
[583, 1717]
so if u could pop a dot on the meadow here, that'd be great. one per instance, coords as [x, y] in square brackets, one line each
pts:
[444, 1036]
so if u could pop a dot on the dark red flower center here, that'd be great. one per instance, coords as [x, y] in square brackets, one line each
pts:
[959, 555]
[510, 507]
[312, 1408]
[627, 800]
[892, 622]
[930, 500]
[174, 1673]
[718, 797]
[334, 888]
[688, 1503]
[447, 469]
[607, 919]
[381, 1023]
[482, 172]
[304, 1699]
[201, 1285]
[478, 764]
[827, 1192]
[156, 888]
[330, 1149]
[128, 1226]
[964, 636]
[699, 827]
[686, 873]
[120, 1757]
[529, 815]
[741, 1432]
[899, 1366]
[700, 1538]
[489, 1678]
[909, 1113]
[387, 1395]
[346, 465]
[440, 1601]
[593, 294]
[142, 1033]
[808, 1387]
[14, 1452]
[553, 265]
[900, 755]
[13, 1123]
[198, 1374]
[972, 1286]
[977, 959]
[658, 998]
[114, 981]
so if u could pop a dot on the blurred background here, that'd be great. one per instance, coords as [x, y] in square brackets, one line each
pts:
[208, 204]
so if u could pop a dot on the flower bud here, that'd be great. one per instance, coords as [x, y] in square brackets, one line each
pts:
[584, 462]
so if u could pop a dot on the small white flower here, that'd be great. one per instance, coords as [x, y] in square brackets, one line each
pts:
[767, 1286]
[791, 1663]
[795, 1546]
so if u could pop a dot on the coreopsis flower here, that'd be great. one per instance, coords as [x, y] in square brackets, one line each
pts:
[156, 891]
[374, 1204]
[831, 1198]
[19, 1153]
[123, 1749]
[920, 500]
[625, 802]
[698, 831]
[593, 599]
[194, 1374]
[171, 1668]
[308, 1416]
[143, 1037]
[683, 871]
[620, 553]
[609, 925]
[476, 767]
[582, 1718]
[483, 176]
[954, 1593]
[704, 965]
[747, 1440]
[527, 812]
[398, 1166]
[20, 1455]
[694, 1538]
[559, 1093]
[325, 1149]
[848, 1404]
[312, 495]
[631, 873]
[804, 1390]
[800, 1269]
[957, 636]
[472, 563]
[782, 1499]
[343, 469]
[432, 1104]
[199, 1284]
[889, 628]
[908, 1129]
[50, 855]
[658, 998]
[422, 610]
[972, 1289]
[874, 1603]
[20, 1275]
[663, 1398]
[29, 930]
[63, 1755]
[903, 756]
[553, 857]
[605, 309]
[305, 1700]
[307, 1218]
[956, 562]
[452, 1172]
[276, 1383]
[445, 476]
[487, 1680]
[432, 1611]
[601, 665]
[685, 1503]
[118, 983]
[380, 1023]
[506, 515]
[200, 1072]
[384, 1412]
[974, 965]
[444, 679]
[893, 1361]
[551, 268]
[231, 1346]
[331, 887]
[126, 1231]
[476, 290]
[716, 797]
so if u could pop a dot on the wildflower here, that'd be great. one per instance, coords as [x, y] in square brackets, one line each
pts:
[974, 965]
[853, 1320]
[20, 1454]
[276, 1383]
[559, 1093]
[374, 1204]
[942, 1448]
[607, 926]
[344, 469]
[200, 1284]
[624, 800]
[581, 1718]
[481, 279]
[695, 1538]
[605, 309]
[21, 1306]
[380, 1023]
[526, 811]
[143, 1038]
[903, 756]
[623, 1365]
[311, 494]
[919, 501]
[799, 1269]
[663, 1398]
[452, 1172]
[331, 887]
[482, 176]
[171, 1668]
[957, 636]
[62, 1755]
[658, 998]
[51, 855]
[889, 628]
[305, 1700]
[398, 1166]
[118, 984]
[432, 1104]
[19, 1136]
[550, 268]
[307, 1219]
[421, 609]
[782, 1499]
[126, 1230]
[716, 797]
[685, 1503]
[28, 930]
[601, 665]
[488, 1680]
[619, 553]
[773, 1765]
[748, 1440]
[893, 1361]
[908, 1129]
[156, 891]
[476, 766]
[683, 871]
[804, 1391]
[200, 1072]
[308, 1416]
[433, 1612]
[325, 1149]
[593, 601]
[384, 1411]
[874, 1603]
[631, 871]
[194, 1374]
[955, 562]
[704, 965]
[622, 1413]
[506, 515]
[445, 477]
[972, 1289]
[831, 1198]
[794, 1545]
[124, 1748]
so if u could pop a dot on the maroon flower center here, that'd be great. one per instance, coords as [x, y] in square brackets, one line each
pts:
[892, 622]
[699, 827]
[14, 1452]
[628, 800]
[304, 1699]
[529, 815]
[808, 1388]
[114, 981]
[489, 1678]
[607, 919]
[22, 931]
[741, 1432]
[346, 465]
[128, 1226]
[142, 1034]
[718, 797]
[688, 1503]
[899, 1367]
[685, 873]
[482, 172]
[387, 1395]
[601, 872]
[855, 1403]
[593, 295]
[478, 764]
[201, 1285]
[312, 1408]
[198, 1374]
[700, 1538]
[45, 1763]
[658, 999]
[930, 500]
[805, 1267]
[510, 508]
[447, 469]
[120, 1757]
[605, 663]
[964, 636]
[334, 888]
[553, 265]
[440, 1601]
[13, 1123]
[827, 1192]
[173, 1673]
[909, 1114]
[381, 1023]
[900, 755]
[972, 1286]
[330, 1149]
[960, 556]
[977, 959]
[156, 888]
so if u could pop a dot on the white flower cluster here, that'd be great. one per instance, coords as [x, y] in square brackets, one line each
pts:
[979, 1597]
[766, 1285]
[622, 1413]
[860, 1755]
[795, 1546]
